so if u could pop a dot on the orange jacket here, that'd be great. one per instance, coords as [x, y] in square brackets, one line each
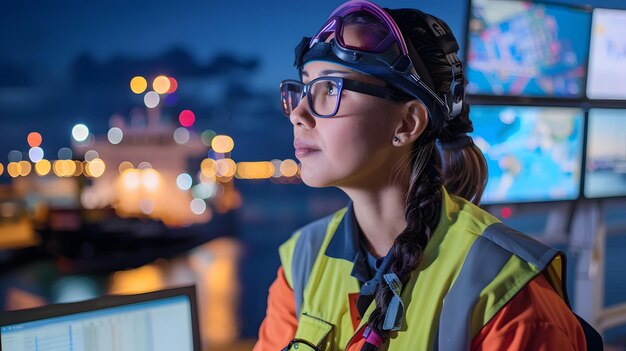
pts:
[535, 319]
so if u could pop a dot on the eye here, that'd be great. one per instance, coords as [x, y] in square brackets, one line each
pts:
[331, 88]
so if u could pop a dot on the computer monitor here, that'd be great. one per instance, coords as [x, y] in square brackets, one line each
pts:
[521, 48]
[161, 320]
[607, 57]
[605, 171]
[534, 154]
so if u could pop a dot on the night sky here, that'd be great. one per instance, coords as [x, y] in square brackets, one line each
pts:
[43, 43]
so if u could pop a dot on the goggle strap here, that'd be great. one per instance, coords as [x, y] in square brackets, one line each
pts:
[301, 49]
[448, 44]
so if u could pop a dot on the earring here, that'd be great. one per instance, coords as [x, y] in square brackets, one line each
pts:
[396, 139]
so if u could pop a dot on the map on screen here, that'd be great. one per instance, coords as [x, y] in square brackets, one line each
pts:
[607, 56]
[605, 173]
[523, 49]
[533, 153]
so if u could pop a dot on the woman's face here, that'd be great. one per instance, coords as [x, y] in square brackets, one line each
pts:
[352, 149]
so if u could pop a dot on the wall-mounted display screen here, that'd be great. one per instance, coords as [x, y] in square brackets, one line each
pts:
[519, 48]
[533, 154]
[607, 56]
[605, 173]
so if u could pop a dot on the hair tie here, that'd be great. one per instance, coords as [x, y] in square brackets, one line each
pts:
[457, 142]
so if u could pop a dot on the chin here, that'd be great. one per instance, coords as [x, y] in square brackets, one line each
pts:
[315, 179]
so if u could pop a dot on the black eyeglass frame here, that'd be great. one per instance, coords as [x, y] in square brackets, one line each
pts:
[381, 91]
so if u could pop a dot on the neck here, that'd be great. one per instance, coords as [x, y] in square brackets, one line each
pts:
[380, 213]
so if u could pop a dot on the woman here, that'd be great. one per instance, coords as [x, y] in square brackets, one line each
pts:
[380, 114]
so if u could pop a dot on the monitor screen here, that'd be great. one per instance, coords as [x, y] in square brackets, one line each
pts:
[519, 48]
[605, 173]
[533, 153]
[158, 323]
[607, 56]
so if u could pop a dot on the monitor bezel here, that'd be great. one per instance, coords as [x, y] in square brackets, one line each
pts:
[599, 101]
[583, 193]
[104, 302]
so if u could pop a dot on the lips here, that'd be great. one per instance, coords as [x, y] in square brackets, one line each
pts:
[304, 148]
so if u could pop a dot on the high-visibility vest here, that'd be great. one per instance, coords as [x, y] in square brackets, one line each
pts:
[472, 266]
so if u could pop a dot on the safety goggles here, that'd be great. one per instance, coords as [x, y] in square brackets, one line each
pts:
[375, 46]
[324, 94]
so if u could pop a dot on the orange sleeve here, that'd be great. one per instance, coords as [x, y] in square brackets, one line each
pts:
[280, 323]
[535, 319]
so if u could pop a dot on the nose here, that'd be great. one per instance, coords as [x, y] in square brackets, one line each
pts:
[301, 116]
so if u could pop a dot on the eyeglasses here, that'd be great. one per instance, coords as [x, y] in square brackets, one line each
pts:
[295, 343]
[324, 94]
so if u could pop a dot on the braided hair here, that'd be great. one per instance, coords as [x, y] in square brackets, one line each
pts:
[435, 161]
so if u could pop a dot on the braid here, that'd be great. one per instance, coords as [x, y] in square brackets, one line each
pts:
[422, 215]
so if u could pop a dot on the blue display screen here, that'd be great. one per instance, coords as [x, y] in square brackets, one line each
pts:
[605, 174]
[607, 59]
[523, 49]
[533, 154]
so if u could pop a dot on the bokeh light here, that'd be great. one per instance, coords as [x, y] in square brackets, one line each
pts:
[207, 137]
[171, 99]
[64, 168]
[78, 168]
[115, 135]
[124, 166]
[34, 139]
[288, 168]
[80, 132]
[138, 84]
[1, 169]
[173, 85]
[144, 165]
[204, 190]
[146, 206]
[96, 167]
[151, 179]
[131, 179]
[15, 156]
[161, 84]
[276, 164]
[181, 135]
[25, 168]
[35, 154]
[184, 181]
[14, 169]
[151, 99]
[186, 118]
[254, 170]
[43, 167]
[222, 144]
[226, 167]
[198, 206]
[91, 155]
[208, 167]
[65, 153]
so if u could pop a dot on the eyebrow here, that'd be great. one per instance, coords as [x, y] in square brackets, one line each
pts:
[327, 72]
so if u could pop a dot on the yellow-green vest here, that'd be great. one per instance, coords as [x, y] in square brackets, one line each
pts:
[472, 266]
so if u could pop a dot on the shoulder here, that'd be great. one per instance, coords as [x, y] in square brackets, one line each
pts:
[536, 318]
[314, 229]
[305, 240]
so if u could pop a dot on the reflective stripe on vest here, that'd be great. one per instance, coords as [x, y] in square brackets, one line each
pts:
[484, 261]
[305, 252]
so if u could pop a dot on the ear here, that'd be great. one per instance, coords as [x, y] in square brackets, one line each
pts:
[413, 122]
